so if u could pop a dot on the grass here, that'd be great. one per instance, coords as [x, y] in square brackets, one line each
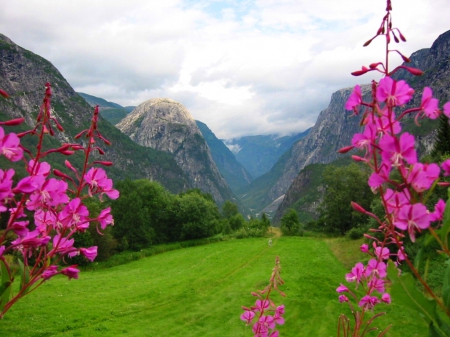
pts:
[196, 291]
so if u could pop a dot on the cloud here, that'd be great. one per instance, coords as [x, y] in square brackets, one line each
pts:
[243, 67]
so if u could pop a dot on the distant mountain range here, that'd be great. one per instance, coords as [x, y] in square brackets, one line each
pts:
[160, 141]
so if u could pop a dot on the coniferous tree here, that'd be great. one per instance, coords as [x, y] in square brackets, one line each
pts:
[442, 142]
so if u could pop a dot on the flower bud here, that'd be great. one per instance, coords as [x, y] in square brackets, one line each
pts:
[4, 93]
[14, 122]
[104, 163]
[360, 72]
[358, 208]
[345, 149]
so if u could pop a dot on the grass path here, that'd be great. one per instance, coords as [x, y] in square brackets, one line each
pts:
[195, 291]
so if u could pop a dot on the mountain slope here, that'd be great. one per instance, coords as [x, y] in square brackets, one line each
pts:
[166, 125]
[112, 112]
[434, 61]
[23, 75]
[234, 173]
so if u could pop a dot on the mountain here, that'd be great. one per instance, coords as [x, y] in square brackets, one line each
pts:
[334, 127]
[258, 154]
[112, 112]
[23, 75]
[234, 173]
[165, 125]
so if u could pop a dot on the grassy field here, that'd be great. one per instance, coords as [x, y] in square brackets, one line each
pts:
[196, 291]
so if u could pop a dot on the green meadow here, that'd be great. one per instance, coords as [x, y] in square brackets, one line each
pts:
[198, 291]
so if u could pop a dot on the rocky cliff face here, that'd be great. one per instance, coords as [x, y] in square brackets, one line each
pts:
[335, 128]
[166, 125]
[23, 75]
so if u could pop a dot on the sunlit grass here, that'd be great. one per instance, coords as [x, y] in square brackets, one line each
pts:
[196, 291]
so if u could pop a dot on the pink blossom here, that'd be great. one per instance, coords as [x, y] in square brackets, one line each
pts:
[247, 316]
[39, 168]
[412, 217]
[382, 253]
[354, 99]
[51, 192]
[375, 268]
[377, 179]
[45, 220]
[386, 123]
[31, 240]
[268, 322]
[364, 248]
[50, 272]
[422, 176]
[342, 289]
[64, 246]
[447, 109]
[6, 182]
[395, 200]
[89, 253]
[105, 218]
[401, 255]
[20, 228]
[366, 139]
[446, 167]
[395, 150]
[356, 274]
[368, 302]
[393, 93]
[99, 183]
[343, 298]
[438, 213]
[74, 214]
[261, 305]
[429, 104]
[376, 284]
[274, 334]
[10, 146]
[71, 272]
[386, 298]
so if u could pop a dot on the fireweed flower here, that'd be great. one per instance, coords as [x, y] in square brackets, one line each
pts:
[51, 192]
[382, 253]
[413, 218]
[247, 316]
[393, 93]
[366, 139]
[395, 150]
[375, 268]
[376, 284]
[105, 218]
[364, 248]
[395, 200]
[342, 289]
[429, 104]
[74, 214]
[9, 146]
[422, 176]
[354, 100]
[377, 179]
[386, 298]
[98, 182]
[356, 274]
[261, 305]
[438, 213]
[71, 272]
[89, 253]
[446, 167]
[368, 302]
[6, 183]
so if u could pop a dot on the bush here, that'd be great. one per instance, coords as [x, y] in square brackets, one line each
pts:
[355, 233]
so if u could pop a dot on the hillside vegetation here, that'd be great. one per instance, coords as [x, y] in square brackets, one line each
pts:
[197, 291]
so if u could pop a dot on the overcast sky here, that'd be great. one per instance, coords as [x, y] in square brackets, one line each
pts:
[243, 67]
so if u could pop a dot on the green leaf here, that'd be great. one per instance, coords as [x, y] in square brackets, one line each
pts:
[5, 288]
[404, 289]
[446, 286]
[445, 229]
[434, 331]
[24, 276]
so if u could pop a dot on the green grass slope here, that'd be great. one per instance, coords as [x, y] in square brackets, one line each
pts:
[195, 291]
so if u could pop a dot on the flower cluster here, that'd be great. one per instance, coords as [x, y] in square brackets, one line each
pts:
[265, 314]
[402, 182]
[45, 208]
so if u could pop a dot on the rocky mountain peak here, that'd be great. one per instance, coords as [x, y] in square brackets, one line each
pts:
[166, 125]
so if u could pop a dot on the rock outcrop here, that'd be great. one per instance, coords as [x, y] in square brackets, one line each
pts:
[166, 125]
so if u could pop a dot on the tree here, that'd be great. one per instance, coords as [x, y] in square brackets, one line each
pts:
[442, 143]
[342, 186]
[290, 222]
[229, 209]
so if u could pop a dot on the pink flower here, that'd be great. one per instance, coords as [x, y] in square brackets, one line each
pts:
[89, 253]
[51, 192]
[105, 218]
[6, 182]
[356, 274]
[261, 305]
[50, 272]
[20, 228]
[64, 246]
[393, 93]
[446, 167]
[342, 289]
[10, 146]
[366, 139]
[376, 268]
[447, 109]
[382, 253]
[377, 179]
[71, 272]
[438, 213]
[368, 302]
[99, 183]
[31, 240]
[354, 99]
[395, 200]
[429, 104]
[386, 298]
[422, 176]
[247, 316]
[343, 298]
[395, 150]
[412, 217]
[74, 214]
[376, 284]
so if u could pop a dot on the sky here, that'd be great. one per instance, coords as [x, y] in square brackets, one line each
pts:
[243, 67]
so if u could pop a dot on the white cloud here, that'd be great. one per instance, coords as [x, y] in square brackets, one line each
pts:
[242, 67]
